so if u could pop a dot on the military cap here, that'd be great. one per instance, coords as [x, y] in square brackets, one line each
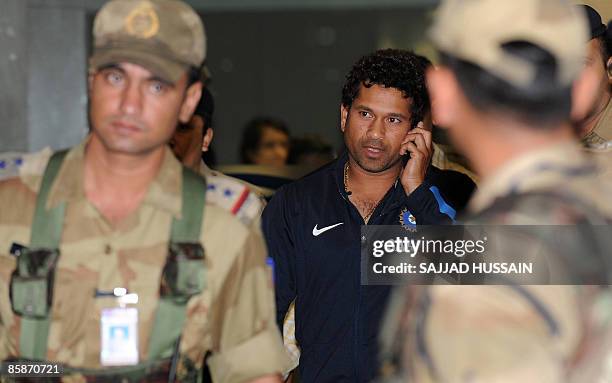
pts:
[164, 36]
[477, 30]
[596, 26]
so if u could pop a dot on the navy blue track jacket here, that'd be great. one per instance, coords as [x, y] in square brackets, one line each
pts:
[337, 319]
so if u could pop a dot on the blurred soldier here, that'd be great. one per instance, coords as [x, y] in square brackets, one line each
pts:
[509, 74]
[114, 261]
[596, 127]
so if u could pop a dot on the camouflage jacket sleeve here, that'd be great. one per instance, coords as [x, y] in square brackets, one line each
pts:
[494, 334]
[246, 341]
[16, 210]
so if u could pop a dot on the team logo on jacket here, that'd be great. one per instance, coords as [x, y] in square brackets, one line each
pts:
[407, 220]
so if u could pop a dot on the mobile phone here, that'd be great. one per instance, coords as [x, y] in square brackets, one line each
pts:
[405, 158]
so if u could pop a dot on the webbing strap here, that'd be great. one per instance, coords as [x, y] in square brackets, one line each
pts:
[170, 315]
[46, 233]
[33, 336]
[169, 321]
[188, 228]
[47, 224]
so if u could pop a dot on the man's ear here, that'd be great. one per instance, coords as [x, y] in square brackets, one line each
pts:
[584, 92]
[344, 111]
[207, 139]
[445, 93]
[192, 97]
[609, 68]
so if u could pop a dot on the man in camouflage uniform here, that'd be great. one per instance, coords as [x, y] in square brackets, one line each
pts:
[120, 194]
[504, 91]
[192, 139]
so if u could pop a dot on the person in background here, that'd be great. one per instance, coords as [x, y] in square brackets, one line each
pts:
[265, 141]
[311, 151]
[192, 139]
[596, 128]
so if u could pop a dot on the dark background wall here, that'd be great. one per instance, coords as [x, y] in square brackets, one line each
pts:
[284, 58]
[290, 65]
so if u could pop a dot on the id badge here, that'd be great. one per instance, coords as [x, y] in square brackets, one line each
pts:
[119, 331]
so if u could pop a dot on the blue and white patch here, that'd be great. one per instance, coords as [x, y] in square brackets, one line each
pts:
[234, 197]
[10, 164]
[407, 220]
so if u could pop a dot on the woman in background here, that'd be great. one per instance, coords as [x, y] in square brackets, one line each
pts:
[265, 141]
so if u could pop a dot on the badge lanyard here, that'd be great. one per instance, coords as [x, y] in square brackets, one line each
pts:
[119, 330]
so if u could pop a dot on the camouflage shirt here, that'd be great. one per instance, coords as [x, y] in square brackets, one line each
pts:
[233, 317]
[510, 333]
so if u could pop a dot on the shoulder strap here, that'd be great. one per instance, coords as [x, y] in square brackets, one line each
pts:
[578, 204]
[188, 228]
[590, 237]
[46, 233]
[170, 315]
[47, 224]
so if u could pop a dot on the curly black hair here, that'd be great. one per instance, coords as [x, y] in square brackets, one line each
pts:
[391, 68]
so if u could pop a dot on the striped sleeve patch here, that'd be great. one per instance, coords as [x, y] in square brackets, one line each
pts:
[233, 196]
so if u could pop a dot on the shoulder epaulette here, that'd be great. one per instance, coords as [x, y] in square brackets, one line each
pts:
[10, 164]
[233, 196]
[34, 164]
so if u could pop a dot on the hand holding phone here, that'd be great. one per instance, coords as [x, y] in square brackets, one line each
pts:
[419, 146]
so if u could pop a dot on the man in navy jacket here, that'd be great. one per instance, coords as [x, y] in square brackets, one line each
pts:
[312, 226]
